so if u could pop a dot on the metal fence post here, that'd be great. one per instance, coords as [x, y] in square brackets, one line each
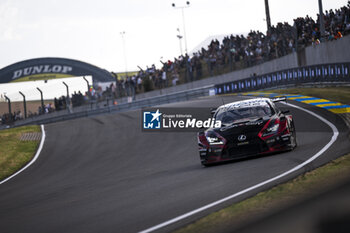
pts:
[87, 82]
[67, 99]
[9, 103]
[42, 101]
[24, 105]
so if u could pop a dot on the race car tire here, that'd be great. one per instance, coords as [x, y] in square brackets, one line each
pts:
[293, 139]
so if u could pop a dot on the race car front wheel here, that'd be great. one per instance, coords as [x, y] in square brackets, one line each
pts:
[293, 138]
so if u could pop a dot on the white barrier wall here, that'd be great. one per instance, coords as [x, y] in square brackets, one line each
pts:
[337, 51]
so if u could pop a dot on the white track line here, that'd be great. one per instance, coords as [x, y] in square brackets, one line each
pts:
[186, 215]
[33, 160]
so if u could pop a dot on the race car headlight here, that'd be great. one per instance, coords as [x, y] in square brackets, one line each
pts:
[272, 129]
[214, 140]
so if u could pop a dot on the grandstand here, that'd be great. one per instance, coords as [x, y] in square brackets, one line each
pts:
[284, 46]
[236, 52]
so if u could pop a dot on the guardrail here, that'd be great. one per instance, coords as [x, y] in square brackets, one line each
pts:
[89, 111]
[311, 74]
[326, 73]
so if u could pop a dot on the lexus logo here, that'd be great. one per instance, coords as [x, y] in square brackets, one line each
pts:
[242, 137]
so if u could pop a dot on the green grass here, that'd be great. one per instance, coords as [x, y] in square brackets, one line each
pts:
[275, 198]
[14, 154]
[337, 94]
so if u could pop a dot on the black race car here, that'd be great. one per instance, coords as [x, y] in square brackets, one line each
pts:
[248, 128]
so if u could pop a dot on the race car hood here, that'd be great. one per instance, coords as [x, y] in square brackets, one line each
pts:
[250, 128]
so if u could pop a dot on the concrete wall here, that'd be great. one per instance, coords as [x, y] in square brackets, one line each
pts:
[330, 52]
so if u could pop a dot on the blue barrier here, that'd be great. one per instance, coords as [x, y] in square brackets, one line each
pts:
[338, 72]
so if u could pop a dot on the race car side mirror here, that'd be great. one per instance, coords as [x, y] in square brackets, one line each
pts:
[279, 99]
[212, 111]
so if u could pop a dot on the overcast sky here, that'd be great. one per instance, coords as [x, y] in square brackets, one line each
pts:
[89, 30]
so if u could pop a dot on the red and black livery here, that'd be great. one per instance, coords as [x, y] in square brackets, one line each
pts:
[248, 128]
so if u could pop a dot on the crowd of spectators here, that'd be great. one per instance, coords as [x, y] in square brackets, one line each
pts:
[239, 51]
[76, 100]
[234, 52]
[6, 118]
[61, 103]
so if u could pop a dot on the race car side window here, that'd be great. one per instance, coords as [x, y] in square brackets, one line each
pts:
[273, 108]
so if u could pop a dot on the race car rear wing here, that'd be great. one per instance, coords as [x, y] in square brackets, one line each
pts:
[279, 99]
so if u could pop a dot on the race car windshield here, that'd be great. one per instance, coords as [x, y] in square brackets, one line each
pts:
[232, 115]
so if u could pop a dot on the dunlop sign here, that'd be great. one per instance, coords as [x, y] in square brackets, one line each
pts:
[47, 68]
[41, 69]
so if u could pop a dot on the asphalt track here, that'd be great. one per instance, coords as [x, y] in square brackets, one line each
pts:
[102, 174]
